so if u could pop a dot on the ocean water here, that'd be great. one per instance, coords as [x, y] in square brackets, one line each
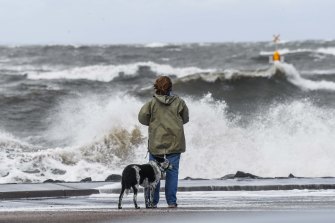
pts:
[70, 112]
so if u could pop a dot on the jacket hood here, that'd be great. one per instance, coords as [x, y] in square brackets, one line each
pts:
[165, 99]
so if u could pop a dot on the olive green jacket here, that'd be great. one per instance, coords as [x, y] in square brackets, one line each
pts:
[165, 116]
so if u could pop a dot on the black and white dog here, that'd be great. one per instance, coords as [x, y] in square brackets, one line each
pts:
[147, 175]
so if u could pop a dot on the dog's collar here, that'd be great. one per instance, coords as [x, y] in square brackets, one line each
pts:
[157, 164]
[167, 167]
[161, 168]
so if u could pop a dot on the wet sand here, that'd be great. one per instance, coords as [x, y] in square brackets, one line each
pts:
[220, 206]
[73, 216]
[106, 216]
[167, 215]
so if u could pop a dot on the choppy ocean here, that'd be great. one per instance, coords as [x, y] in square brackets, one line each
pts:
[70, 112]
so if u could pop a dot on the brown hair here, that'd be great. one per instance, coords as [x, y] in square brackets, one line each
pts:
[163, 85]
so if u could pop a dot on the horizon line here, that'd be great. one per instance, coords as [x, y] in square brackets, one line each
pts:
[155, 42]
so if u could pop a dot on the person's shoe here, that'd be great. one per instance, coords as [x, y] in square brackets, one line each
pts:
[153, 206]
[172, 205]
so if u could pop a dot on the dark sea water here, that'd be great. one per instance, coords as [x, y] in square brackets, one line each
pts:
[70, 112]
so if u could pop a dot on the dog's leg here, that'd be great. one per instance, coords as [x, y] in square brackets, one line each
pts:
[146, 196]
[152, 193]
[121, 196]
[135, 197]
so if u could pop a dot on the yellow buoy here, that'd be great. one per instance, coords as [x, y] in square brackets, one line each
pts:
[276, 56]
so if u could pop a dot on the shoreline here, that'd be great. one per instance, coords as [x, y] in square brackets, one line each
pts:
[39, 190]
[196, 206]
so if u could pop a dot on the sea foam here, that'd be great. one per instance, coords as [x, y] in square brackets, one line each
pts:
[278, 140]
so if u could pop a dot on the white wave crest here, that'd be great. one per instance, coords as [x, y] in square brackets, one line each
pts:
[227, 74]
[318, 72]
[156, 45]
[329, 50]
[290, 72]
[109, 72]
[295, 78]
[284, 51]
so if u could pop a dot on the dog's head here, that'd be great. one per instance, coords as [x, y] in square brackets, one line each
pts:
[165, 165]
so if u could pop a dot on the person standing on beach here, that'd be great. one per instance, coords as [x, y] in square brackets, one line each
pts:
[165, 114]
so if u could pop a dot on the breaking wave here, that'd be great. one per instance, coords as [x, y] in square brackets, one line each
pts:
[28, 163]
[295, 78]
[282, 139]
[156, 45]
[70, 112]
[94, 136]
[319, 72]
[109, 72]
[322, 50]
[102, 137]
[288, 71]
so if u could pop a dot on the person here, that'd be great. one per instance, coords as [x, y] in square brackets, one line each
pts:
[165, 114]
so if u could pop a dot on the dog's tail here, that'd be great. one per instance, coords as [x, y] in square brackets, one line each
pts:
[125, 184]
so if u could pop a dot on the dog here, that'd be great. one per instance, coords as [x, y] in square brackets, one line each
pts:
[147, 175]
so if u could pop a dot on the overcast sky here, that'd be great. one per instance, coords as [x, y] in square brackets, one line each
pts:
[145, 21]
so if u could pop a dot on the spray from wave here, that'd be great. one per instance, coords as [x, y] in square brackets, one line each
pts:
[95, 135]
[105, 136]
[279, 140]
[29, 163]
